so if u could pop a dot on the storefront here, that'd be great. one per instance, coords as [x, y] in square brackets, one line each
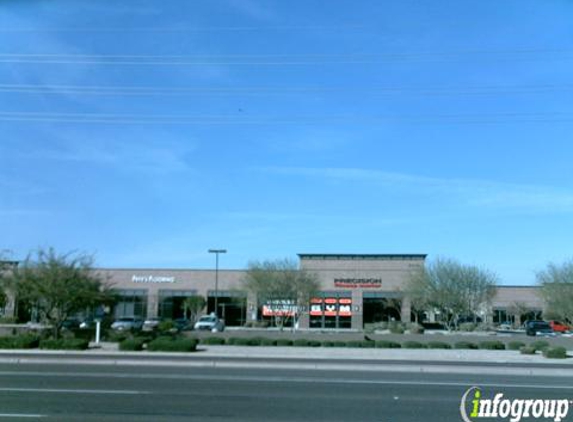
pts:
[355, 289]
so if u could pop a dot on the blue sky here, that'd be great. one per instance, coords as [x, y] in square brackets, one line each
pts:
[148, 132]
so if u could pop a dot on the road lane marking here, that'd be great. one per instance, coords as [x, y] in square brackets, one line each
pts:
[270, 379]
[70, 391]
[20, 415]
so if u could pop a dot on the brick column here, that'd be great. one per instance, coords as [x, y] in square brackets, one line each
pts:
[251, 308]
[357, 310]
[406, 310]
[152, 303]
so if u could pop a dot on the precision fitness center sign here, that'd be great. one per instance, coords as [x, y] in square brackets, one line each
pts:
[355, 283]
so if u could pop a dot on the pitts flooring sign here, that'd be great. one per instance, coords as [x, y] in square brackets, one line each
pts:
[152, 279]
[355, 283]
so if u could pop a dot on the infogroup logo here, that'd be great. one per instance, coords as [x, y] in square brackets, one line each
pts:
[474, 407]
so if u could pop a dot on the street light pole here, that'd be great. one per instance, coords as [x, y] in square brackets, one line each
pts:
[217, 252]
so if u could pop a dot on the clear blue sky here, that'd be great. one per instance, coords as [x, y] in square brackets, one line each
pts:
[148, 132]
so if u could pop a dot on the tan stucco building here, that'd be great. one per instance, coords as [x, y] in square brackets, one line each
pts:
[355, 289]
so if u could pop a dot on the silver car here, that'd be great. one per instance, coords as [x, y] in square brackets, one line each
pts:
[127, 323]
[210, 323]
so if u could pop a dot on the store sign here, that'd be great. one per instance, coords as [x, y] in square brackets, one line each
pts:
[355, 283]
[152, 279]
[283, 308]
[331, 306]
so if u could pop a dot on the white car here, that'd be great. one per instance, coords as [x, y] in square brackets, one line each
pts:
[209, 323]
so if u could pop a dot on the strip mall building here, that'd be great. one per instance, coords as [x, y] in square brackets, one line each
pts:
[355, 290]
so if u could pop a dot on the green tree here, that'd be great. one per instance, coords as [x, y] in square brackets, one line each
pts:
[58, 286]
[283, 287]
[451, 288]
[556, 283]
[193, 306]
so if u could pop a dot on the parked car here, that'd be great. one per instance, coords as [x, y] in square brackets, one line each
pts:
[182, 324]
[151, 324]
[71, 324]
[535, 328]
[210, 323]
[87, 323]
[559, 327]
[127, 323]
[468, 319]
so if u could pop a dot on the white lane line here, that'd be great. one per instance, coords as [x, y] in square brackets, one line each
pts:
[278, 379]
[20, 415]
[69, 391]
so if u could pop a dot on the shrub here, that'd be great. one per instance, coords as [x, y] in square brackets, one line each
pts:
[8, 320]
[396, 328]
[416, 329]
[268, 342]
[132, 345]
[301, 342]
[24, 341]
[515, 345]
[354, 343]
[335, 343]
[527, 350]
[64, 344]
[413, 345]
[257, 324]
[540, 344]
[378, 326]
[492, 345]
[438, 345]
[244, 341]
[213, 340]
[467, 326]
[387, 344]
[468, 345]
[166, 326]
[117, 336]
[88, 334]
[254, 341]
[172, 344]
[368, 344]
[282, 342]
[557, 352]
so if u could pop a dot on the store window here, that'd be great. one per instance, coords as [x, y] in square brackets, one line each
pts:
[131, 303]
[171, 302]
[331, 310]
[231, 304]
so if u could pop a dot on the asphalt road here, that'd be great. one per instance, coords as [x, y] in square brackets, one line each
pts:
[150, 393]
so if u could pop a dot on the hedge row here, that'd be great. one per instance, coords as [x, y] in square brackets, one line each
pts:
[65, 344]
[30, 341]
[24, 341]
[545, 348]
[379, 344]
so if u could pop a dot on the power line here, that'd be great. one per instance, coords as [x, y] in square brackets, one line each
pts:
[189, 29]
[110, 118]
[275, 59]
[276, 90]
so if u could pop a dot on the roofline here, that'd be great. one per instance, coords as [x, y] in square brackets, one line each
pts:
[165, 269]
[361, 256]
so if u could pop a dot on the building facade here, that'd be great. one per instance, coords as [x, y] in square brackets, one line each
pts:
[355, 289]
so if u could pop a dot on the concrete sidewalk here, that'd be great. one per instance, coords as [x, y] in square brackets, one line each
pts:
[319, 353]
[467, 362]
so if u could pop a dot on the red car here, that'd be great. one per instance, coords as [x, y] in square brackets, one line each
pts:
[559, 327]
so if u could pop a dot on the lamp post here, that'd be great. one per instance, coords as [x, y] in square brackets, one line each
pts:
[217, 252]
